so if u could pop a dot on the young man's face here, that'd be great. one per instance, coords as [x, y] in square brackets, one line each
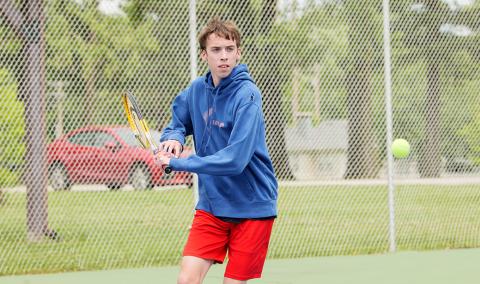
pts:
[221, 55]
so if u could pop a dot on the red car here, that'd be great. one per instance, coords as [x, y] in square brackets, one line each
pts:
[107, 155]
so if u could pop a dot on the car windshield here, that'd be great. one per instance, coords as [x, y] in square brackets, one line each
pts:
[127, 136]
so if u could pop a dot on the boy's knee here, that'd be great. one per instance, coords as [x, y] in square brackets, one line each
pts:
[186, 278]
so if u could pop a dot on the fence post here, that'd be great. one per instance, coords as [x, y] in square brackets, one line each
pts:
[389, 117]
[193, 72]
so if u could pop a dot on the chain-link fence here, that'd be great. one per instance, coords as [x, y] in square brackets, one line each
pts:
[76, 195]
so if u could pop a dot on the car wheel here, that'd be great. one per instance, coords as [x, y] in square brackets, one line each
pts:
[58, 178]
[114, 186]
[140, 177]
[190, 181]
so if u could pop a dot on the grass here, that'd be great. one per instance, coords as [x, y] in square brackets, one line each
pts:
[107, 230]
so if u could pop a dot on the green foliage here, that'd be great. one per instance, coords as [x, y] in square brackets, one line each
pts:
[314, 45]
[422, 41]
[101, 43]
[166, 70]
[11, 131]
[98, 57]
[471, 132]
[323, 35]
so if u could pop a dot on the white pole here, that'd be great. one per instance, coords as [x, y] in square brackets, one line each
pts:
[193, 72]
[193, 40]
[389, 117]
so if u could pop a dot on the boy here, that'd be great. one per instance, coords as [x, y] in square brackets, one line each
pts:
[237, 186]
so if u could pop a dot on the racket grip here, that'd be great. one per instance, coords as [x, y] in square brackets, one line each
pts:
[167, 169]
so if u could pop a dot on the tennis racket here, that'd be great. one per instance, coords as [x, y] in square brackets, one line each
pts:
[139, 126]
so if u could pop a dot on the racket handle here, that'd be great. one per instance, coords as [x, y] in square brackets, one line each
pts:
[167, 169]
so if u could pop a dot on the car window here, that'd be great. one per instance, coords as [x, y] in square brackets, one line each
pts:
[102, 137]
[82, 138]
[127, 136]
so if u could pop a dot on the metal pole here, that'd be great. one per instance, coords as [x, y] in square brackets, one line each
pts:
[389, 117]
[193, 72]
[193, 40]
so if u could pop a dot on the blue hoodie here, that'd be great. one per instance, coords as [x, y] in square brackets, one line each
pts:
[235, 173]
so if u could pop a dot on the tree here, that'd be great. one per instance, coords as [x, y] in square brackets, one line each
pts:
[321, 34]
[364, 27]
[28, 24]
[12, 131]
[423, 28]
[267, 69]
[471, 132]
[99, 56]
[168, 69]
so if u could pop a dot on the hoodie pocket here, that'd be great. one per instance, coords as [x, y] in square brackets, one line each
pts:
[263, 191]
[231, 188]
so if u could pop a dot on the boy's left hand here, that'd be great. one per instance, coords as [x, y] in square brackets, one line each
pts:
[172, 146]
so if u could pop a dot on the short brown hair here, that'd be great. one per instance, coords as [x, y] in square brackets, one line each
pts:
[225, 29]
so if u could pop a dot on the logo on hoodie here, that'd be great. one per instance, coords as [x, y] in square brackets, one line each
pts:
[206, 115]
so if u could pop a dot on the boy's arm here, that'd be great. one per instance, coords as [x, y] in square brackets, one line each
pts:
[233, 159]
[179, 127]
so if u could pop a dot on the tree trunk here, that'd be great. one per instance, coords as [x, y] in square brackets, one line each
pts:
[33, 89]
[430, 157]
[362, 149]
[270, 81]
[266, 72]
[89, 112]
[90, 77]
[362, 153]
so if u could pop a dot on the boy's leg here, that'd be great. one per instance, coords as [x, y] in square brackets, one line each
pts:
[193, 269]
[248, 248]
[227, 280]
[206, 244]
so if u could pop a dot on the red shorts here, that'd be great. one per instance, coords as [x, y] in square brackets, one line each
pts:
[246, 243]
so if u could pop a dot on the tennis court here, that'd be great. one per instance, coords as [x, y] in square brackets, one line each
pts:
[435, 267]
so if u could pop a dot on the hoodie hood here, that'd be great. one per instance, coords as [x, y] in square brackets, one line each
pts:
[238, 75]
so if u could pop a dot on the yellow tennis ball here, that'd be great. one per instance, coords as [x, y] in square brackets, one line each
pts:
[400, 148]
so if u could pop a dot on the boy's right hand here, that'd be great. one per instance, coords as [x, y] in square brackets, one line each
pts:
[162, 159]
[172, 146]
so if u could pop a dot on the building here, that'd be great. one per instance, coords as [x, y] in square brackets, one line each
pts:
[317, 152]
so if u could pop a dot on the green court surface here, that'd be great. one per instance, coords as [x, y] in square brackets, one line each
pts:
[436, 267]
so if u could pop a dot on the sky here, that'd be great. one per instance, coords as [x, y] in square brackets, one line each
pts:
[113, 8]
